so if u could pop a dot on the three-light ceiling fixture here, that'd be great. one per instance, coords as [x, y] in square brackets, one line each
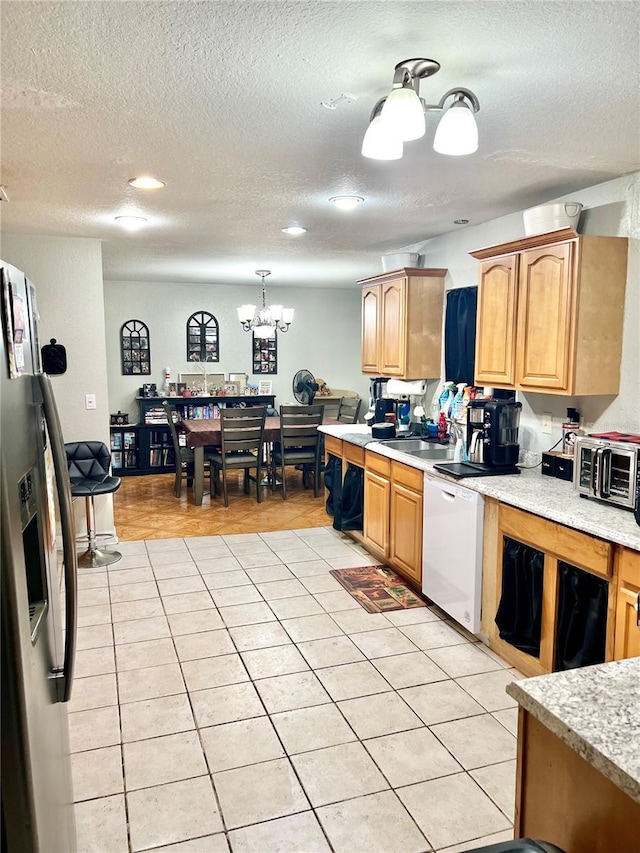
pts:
[266, 321]
[400, 116]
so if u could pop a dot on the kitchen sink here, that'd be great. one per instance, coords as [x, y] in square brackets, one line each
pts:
[409, 444]
[433, 452]
[421, 448]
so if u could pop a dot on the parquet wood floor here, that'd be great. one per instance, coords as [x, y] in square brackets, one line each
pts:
[145, 508]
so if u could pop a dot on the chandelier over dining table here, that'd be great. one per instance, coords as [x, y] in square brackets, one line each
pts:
[264, 322]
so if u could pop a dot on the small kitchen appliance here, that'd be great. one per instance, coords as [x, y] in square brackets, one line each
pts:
[385, 406]
[607, 467]
[376, 390]
[492, 440]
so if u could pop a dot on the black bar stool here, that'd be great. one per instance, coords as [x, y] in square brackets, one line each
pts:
[88, 463]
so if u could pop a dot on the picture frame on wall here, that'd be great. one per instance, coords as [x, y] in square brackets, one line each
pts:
[265, 386]
[265, 355]
[135, 352]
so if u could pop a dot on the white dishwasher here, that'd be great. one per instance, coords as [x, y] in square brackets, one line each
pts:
[452, 550]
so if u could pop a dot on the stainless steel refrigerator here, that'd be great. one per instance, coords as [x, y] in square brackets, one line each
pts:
[38, 590]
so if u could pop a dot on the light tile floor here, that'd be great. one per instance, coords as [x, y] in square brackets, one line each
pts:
[230, 695]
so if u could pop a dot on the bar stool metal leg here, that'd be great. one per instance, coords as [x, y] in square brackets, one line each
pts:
[93, 557]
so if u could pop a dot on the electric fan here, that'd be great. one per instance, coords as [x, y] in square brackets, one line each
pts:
[304, 387]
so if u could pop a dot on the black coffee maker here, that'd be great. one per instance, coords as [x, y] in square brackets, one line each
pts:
[377, 388]
[492, 434]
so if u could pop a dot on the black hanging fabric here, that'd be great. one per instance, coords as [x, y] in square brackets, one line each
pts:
[352, 498]
[333, 484]
[519, 615]
[582, 618]
[460, 334]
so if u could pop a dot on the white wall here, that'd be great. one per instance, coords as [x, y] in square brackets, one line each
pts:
[611, 209]
[67, 273]
[324, 338]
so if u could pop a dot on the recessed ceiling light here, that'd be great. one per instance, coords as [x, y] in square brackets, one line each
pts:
[131, 223]
[460, 221]
[294, 230]
[346, 202]
[146, 183]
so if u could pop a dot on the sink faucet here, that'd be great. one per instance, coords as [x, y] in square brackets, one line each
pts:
[457, 430]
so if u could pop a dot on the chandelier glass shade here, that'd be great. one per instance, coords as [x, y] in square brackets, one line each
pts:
[400, 117]
[264, 322]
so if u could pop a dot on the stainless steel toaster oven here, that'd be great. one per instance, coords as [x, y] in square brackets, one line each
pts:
[607, 470]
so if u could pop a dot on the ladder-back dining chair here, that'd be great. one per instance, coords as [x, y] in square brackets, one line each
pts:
[242, 439]
[183, 455]
[349, 409]
[299, 443]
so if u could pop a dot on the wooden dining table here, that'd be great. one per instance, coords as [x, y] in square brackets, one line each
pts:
[205, 432]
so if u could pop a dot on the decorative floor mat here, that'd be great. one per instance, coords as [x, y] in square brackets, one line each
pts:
[377, 588]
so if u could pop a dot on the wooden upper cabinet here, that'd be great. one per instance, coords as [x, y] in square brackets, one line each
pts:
[495, 352]
[393, 348]
[564, 293]
[545, 307]
[402, 323]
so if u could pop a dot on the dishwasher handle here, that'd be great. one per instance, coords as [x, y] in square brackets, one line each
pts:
[447, 496]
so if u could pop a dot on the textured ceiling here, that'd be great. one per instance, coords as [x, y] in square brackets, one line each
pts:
[223, 101]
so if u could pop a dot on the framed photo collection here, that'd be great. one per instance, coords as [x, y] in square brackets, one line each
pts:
[265, 355]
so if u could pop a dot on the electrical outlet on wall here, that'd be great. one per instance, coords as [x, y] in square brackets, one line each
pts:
[546, 423]
[89, 401]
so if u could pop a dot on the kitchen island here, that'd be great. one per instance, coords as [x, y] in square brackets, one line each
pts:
[578, 770]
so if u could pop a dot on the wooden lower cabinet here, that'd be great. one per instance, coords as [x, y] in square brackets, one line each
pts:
[559, 546]
[555, 547]
[377, 490]
[406, 531]
[563, 799]
[627, 630]
[393, 515]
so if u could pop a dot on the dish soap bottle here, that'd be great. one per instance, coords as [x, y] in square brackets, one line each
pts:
[458, 400]
[446, 398]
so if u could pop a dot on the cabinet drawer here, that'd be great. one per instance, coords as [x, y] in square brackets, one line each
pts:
[333, 445]
[379, 464]
[410, 477]
[353, 453]
[576, 548]
[629, 566]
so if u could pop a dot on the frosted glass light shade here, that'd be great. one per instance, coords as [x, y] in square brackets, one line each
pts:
[245, 313]
[457, 132]
[403, 114]
[379, 143]
[288, 315]
[265, 331]
[276, 312]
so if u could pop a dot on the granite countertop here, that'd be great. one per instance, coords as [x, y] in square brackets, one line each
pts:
[595, 710]
[530, 491]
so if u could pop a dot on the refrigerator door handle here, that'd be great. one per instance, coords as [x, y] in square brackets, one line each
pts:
[64, 673]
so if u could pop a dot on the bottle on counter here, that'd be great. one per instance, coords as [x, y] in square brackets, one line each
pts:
[442, 425]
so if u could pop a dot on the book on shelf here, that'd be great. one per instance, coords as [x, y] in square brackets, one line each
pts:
[155, 415]
[116, 441]
[116, 459]
[129, 440]
[130, 459]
